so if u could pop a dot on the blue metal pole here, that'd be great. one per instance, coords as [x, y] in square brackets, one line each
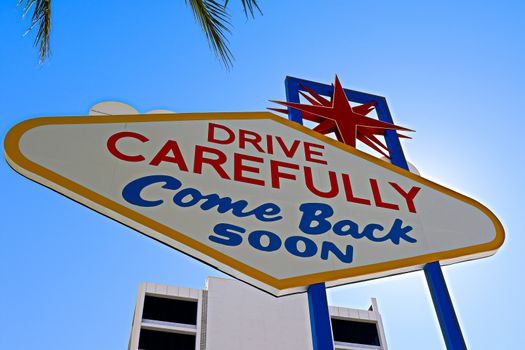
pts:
[448, 320]
[317, 303]
[320, 317]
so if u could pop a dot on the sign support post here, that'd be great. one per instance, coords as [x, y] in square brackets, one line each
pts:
[446, 314]
[448, 320]
[319, 317]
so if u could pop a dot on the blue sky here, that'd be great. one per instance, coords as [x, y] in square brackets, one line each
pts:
[450, 70]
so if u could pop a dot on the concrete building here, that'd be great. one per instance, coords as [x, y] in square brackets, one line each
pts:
[231, 315]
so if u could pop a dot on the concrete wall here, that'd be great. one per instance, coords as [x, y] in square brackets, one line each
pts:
[241, 317]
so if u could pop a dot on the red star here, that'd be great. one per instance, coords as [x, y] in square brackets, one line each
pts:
[347, 122]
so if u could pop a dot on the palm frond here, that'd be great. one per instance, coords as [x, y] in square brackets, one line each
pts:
[249, 7]
[214, 21]
[42, 18]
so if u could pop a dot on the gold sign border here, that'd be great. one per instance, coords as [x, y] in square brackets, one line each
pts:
[37, 172]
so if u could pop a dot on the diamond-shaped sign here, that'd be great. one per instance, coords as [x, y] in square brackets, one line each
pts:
[256, 196]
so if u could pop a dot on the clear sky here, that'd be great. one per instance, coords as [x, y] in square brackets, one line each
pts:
[451, 70]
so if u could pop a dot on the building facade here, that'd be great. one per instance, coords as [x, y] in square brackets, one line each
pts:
[231, 315]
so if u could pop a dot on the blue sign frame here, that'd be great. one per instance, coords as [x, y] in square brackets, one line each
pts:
[318, 306]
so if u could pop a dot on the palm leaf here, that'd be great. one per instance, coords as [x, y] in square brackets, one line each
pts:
[42, 18]
[249, 7]
[214, 21]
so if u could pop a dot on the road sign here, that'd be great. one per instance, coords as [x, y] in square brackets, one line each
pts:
[259, 197]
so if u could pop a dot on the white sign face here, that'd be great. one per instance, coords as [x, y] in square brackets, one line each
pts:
[261, 198]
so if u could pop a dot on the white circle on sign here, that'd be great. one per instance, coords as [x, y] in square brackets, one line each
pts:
[111, 108]
[160, 111]
[411, 167]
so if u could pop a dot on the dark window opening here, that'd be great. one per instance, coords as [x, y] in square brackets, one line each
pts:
[153, 340]
[170, 310]
[355, 332]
